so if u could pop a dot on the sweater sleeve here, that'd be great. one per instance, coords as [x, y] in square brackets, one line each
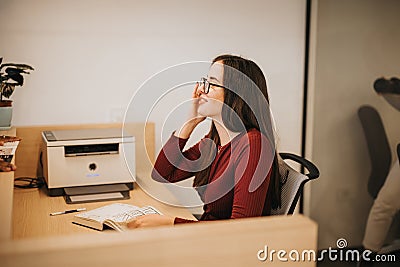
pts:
[178, 220]
[252, 177]
[173, 165]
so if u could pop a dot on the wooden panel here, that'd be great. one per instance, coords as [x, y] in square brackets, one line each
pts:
[219, 243]
[27, 155]
[6, 203]
[6, 197]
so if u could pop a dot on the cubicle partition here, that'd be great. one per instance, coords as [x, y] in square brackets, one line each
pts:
[245, 242]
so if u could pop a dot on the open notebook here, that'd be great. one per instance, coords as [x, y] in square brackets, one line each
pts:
[115, 216]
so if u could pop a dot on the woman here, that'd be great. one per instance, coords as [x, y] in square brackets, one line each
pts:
[235, 165]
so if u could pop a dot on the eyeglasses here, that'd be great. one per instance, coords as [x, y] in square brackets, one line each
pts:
[206, 85]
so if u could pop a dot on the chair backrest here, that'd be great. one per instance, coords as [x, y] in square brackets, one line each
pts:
[378, 147]
[292, 182]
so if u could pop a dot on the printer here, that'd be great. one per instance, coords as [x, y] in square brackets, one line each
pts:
[88, 164]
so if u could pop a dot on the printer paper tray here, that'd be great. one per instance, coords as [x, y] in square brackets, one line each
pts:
[84, 194]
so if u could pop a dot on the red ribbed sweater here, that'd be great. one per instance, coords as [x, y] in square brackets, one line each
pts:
[239, 175]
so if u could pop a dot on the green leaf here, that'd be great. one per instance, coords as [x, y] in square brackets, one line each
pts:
[2, 86]
[8, 90]
[13, 70]
[13, 76]
[16, 77]
[17, 66]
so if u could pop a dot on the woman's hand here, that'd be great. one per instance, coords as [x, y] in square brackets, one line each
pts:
[6, 167]
[150, 220]
[194, 117]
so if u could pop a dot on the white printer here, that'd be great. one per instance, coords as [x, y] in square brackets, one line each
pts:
[88, 164]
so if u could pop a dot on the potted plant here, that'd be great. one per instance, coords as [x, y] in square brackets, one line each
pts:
[11, 75]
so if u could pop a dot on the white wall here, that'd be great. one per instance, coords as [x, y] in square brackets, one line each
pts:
[356, 42]
[91, 56]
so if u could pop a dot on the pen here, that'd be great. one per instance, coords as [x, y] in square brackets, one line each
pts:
[67, 211]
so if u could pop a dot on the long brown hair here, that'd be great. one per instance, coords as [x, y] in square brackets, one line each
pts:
[252, 112]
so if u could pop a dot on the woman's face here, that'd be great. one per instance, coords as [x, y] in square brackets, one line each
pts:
[210, 104]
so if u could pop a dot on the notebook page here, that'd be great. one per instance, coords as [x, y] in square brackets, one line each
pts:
[133, 213]
[117, 212]
[126, 215]
[149, 210]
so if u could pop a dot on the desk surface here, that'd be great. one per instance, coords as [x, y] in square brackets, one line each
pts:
[32, 208]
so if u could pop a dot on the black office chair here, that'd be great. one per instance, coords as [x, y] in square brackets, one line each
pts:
[378, 148]
[293, 182]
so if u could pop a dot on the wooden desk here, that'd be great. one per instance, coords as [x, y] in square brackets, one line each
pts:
[32, 208]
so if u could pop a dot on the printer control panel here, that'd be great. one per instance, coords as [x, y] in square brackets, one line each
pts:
[49, 136]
